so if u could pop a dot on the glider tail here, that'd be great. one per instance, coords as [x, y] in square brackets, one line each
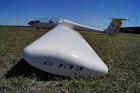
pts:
[114, 26]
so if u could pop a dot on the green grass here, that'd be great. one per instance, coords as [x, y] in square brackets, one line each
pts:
[121, 53]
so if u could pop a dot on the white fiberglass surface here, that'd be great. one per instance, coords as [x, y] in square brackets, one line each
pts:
[63, 38]
[66, 44]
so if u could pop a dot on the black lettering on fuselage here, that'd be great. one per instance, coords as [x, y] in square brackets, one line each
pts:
[48, 63]
[78, 68]
[67, 66]
[60, 65]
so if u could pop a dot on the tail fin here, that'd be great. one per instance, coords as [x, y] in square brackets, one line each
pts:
[114, 26]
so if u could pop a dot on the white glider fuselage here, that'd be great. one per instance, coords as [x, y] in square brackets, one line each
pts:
[63, 51]
[67, 23]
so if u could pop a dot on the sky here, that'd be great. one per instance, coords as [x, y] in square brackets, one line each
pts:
[93, 13]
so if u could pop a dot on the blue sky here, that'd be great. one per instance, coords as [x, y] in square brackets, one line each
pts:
[94, 13]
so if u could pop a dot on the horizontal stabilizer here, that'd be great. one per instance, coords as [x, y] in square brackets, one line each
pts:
[119, 18]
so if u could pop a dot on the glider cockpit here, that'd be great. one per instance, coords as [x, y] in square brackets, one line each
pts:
[47, 20]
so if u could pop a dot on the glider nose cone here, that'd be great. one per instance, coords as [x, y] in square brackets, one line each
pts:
[31, 22]
[26, 54]
[29, 54]
[100, 68]
[103, 70]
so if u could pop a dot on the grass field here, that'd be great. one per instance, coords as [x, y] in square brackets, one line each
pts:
[121, 53]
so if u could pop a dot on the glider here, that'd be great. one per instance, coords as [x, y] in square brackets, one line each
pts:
[63, 51]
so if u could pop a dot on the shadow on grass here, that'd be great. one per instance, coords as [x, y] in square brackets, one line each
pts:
[107, 34]
[22, 68]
